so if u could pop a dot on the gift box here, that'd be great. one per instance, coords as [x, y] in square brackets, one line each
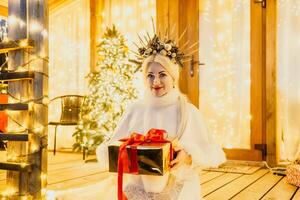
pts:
[146, 159]
[293, 174]
[139, 154]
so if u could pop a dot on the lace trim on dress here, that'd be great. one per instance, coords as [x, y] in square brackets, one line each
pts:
[171, 191]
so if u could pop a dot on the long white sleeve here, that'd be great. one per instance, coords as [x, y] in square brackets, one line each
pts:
[196, 142]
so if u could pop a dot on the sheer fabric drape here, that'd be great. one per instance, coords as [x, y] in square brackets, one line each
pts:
[288, 78]
[225, 79]
[69, 52]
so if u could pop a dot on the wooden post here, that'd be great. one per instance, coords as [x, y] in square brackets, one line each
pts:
[96, 19]
[271, 83]
[29, 19]
[16, 151]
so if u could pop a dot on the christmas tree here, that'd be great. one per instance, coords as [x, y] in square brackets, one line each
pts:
[110, 90]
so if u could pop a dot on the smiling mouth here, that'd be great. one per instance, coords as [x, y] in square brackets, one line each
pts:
[157, 88]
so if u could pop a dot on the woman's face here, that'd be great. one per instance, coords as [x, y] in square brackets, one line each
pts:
[159, 80]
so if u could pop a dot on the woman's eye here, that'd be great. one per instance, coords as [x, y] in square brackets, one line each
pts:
[162, 75]
[150, 76]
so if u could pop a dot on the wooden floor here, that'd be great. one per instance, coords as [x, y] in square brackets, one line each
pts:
[67, 171]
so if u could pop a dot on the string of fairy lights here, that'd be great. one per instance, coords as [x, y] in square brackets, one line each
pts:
[15, 126]
[225, 80]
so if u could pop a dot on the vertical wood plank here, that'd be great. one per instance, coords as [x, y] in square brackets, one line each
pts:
[38, 13]
[31, 21]
[93, 34]
[96, 19]
[189, 20]
[175, 16]
[162, 16]
[17, 151]
[271, 82]
[256, 57]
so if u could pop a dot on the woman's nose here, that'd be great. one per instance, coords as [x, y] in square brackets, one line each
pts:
[156, 80]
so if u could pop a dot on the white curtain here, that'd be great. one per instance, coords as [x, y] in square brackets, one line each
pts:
[131, 17]
[288, 78]
[225, 79]
[69, 52]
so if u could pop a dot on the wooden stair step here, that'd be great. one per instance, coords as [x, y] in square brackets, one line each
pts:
[13, 166]
[14, 106]
[15, 76]
[13, 45]
[15, 136]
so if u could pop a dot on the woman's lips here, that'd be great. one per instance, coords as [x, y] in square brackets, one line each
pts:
[157, 88]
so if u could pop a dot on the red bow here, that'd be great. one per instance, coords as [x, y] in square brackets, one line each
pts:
[135, 139]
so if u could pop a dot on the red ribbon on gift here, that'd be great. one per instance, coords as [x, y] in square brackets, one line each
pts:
[135, 139]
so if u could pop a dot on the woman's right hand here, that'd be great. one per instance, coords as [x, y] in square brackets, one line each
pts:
[182, 156]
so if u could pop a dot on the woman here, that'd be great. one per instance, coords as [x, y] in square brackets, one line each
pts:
[165, 107]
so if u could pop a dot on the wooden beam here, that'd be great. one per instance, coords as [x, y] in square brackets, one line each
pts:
[15, 76]
[271, 82]
[14, 106]
[14, 136]
[3, 11]
[15, 45]
[12, 166]
[96, 19]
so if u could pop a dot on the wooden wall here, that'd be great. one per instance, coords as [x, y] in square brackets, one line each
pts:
[178, 16]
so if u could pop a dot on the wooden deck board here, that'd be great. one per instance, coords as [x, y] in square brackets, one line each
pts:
[218, 182]
[210, 176]
[281, 191]
[236, 186]
[72, 173]
[79, 182]
[297, 195]
[259, 188]
[68, 171]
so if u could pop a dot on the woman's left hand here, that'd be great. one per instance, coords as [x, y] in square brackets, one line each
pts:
[182, 158]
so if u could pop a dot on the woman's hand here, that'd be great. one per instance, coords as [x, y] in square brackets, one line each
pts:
[182, 158]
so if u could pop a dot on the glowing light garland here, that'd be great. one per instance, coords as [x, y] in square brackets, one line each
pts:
[110, 90]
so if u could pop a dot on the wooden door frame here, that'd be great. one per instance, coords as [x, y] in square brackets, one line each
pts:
[272, 138]
[263, 75]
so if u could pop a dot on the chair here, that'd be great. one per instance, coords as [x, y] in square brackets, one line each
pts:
[70, 108]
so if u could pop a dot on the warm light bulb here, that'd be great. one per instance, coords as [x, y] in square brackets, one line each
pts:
[35, 27]
[45, 101]
[23, 43]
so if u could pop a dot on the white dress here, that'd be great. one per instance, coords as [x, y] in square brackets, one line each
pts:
[163, 113]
